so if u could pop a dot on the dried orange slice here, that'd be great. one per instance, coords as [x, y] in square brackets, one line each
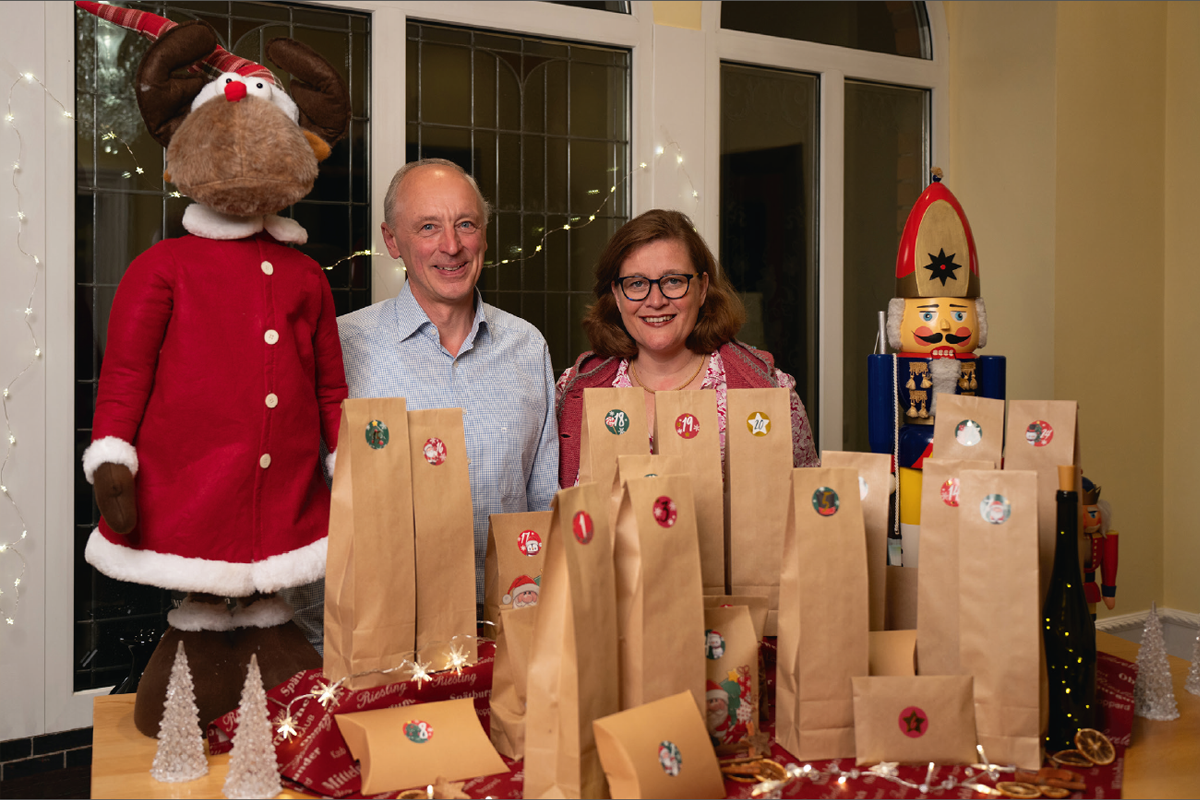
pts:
[1095, 746]
[1018, 789]
[1056, 792]
[1071, 758]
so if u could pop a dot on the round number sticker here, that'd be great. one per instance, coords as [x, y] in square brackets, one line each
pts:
[714, 644]
[949, 492]
[418, 731]
[759, 423]
[1039, 433]
[669, 758]
[664, 511]
[435, 451]
[377, 434]
[687, 426]
[617, 422]
[995, 509]
[914, 722]
[529, 543]
[583, 528]
[968, 433]
[825, 501]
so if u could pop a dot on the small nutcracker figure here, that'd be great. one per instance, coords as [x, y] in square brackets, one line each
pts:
[1101, 553]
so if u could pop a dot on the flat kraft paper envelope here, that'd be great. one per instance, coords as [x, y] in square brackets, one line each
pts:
[660, 749]
[370, 574]
[685, 425]
[415, 745]
[938, 576]
[614, 423]
[512, 567]
[875, 485]
[758, 464]
[914, 720]
[969, 427]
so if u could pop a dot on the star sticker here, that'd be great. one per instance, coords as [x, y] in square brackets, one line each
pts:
[942, 267]
[914, 721]
[286, 726]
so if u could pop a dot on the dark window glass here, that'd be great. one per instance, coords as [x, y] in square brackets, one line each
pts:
[615, 6]
[899, 28]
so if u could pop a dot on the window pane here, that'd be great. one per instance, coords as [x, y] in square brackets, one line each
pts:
[769, 183]
[887, 164]
[882, 27]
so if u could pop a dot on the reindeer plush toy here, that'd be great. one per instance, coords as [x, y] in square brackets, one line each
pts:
[222, 370]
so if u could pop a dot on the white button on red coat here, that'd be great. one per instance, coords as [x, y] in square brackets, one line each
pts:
[267, 267]
[272, 400]
[271, 337]
[265, 461]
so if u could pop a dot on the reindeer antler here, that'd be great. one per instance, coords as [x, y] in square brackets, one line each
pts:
[164, 98]
[318, 89]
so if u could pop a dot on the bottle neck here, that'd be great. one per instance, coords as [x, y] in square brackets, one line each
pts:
[1067, 541]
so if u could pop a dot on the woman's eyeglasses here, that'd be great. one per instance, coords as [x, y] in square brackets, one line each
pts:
[672, 286]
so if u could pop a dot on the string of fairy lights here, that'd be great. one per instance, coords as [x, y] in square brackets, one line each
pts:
[11, 539]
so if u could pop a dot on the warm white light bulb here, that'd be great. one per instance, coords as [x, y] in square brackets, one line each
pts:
[21, 216]
[659, 150]
[29, 77]
[9, 620]
[3, 547]
[12, 439]
[678, 159]
[28, 311]
[37, 352]
[695, 193]
[68, 115]
[8, 117]
[642, 165]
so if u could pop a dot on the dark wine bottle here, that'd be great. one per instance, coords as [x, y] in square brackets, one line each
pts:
[1069, 633]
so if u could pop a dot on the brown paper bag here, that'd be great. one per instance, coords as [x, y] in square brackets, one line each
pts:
[969, 427]
[514, 639]
[512, 567]
[685, 425]
[755, 604]
[894, 653]
[1000, 636]
[823, 614]
[758, 463]
[614, 423]
[417, 744]
[914, 720]
[732, 688]
[660, 601]
[875, 490]
[370, 572]
[937, 580]
[659, 750]
[646, 465]
[900, 614]
[1042, 434]
[573, 668]
[444, 533]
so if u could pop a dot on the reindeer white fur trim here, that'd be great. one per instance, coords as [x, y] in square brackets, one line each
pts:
[265, 613]
[109, 450]
[330, 463]
[207, 223]
[194, 616]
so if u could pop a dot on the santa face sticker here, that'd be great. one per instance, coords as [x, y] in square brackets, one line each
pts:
[825, 501]
[617, 422]
[377, 434]
[914, 722]
[523, 592]
[1039, 433]
[968, 433]
[664, 511]
[583, 528]
[714, 645]
[434, 451]
[995, 509]
[669, 758]
[418, 731]
[529, 543]
[687, 426]
[758, 423]
[949, 492]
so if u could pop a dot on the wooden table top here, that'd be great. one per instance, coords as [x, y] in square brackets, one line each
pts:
[1162, 762]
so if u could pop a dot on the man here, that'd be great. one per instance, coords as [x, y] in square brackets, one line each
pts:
[438, 345]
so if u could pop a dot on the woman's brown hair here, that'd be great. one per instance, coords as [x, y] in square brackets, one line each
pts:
[721, 316]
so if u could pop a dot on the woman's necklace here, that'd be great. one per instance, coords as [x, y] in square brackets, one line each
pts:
[633, 371]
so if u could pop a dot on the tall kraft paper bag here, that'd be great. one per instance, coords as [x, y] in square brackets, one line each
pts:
[573, 671]
[875, 492]
[999, 630]
[512, 567]
[937, 581]
[685, 425]
[370, 572]
[641, 466]
[510, 671]
[823, 614]
[660, 601]
[444, 533]
[758, 464]
[1042, 434]
[614, 423]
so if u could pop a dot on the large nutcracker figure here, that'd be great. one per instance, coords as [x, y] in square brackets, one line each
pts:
[936, 322]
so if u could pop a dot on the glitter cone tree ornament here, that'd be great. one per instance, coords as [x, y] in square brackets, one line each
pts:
[253, 771]
[1153, 695]
[180, 755]
[1193, 678]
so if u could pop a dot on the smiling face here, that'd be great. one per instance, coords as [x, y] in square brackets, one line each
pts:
[657, 324]
[942, 327]
[440, 233]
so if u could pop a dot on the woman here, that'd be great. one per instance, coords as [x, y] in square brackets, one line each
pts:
[664, 319]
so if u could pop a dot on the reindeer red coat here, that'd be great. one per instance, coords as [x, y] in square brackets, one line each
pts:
[222, 369]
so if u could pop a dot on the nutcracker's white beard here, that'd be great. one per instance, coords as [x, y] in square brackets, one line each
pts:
[944, 373]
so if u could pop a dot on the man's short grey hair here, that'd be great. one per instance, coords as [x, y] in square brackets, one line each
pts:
[389, 200]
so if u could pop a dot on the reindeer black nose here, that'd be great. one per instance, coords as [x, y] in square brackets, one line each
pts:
[234, 91]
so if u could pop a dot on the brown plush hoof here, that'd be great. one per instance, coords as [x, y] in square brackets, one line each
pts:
[218, 661]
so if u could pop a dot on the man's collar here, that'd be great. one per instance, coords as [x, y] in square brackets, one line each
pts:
[410, 317]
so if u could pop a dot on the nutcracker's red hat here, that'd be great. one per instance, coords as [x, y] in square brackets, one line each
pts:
[937, 255]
